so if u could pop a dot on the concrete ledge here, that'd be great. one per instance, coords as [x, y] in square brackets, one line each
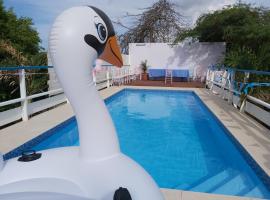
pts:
[186, 195]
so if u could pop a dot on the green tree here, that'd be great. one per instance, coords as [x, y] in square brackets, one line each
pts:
[19, 46]
[246, 31]
[19, 31]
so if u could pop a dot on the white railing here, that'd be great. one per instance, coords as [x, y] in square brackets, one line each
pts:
[221, 82]
[103, 78]
[27, 109]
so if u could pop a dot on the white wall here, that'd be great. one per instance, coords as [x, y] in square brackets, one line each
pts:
[193, 56]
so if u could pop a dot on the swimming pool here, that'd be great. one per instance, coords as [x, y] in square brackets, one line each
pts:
[177, 140]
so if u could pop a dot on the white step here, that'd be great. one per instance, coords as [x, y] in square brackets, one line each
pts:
[234, 186]
[213, 181]
[259, 191]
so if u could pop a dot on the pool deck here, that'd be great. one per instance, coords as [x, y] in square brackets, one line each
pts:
[190, 84]
[253, 137]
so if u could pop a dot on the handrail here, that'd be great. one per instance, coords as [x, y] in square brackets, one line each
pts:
[258, 101]
[6, 103]
[12, 68]
[240, 70]
[24, 67]
[228, 91]
[9, 102]
[56, 91]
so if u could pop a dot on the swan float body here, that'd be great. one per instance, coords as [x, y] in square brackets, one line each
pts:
[97, 168]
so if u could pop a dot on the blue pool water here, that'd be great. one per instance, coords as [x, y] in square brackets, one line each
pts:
[177, 140]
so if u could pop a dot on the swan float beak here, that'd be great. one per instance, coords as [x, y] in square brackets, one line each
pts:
[111, 53]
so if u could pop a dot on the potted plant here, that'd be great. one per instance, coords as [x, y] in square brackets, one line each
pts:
[144, 70]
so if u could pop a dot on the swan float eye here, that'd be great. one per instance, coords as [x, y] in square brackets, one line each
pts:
[102, 32]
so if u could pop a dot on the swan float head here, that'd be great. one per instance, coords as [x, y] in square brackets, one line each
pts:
[104, 40]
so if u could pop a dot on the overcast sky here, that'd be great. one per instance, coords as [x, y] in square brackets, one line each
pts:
[43, 12]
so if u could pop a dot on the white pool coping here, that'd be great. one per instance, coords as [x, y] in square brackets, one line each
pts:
[254, 137]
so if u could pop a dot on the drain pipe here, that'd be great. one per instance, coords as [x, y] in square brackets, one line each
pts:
[2, 162]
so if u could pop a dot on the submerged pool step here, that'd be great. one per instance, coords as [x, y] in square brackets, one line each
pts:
[240, 183]
[232, 185]
[258, 191]
[212, 182]
[230, 182]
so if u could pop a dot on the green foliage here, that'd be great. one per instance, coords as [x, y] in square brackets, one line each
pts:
[240, 57]
[19, 45]
[246, 31]
[19, 31]
[39, 59]
[144, 66]
[37, 82]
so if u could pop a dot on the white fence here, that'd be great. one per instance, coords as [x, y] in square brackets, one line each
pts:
[221, 82]
[108, 76]
[103, 78]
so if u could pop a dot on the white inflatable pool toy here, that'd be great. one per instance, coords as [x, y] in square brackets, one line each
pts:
[97, 168]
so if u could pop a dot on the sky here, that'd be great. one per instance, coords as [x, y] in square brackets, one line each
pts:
[43, 12]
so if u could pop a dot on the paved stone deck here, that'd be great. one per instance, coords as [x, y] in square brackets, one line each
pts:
[186, 195]
[190, 84]
[253, 137]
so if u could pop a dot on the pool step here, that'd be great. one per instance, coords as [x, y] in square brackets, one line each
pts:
[258, 191]
[228, 182]
[232, 186]
[213, 181]
[242, 184]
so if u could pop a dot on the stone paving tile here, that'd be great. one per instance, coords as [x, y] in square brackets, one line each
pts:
[170, 194]
[205, 196]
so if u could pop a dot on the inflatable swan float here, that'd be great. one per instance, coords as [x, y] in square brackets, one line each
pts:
[96, 169]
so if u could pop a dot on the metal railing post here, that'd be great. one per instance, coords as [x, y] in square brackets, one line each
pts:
[231, 86]
[207, 78]
[212, 78]
[243, 104]
[223, 84]
[246, 77]
[24, 103]
[108, 78]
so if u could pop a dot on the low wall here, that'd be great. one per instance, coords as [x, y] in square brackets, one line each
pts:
[195, 56]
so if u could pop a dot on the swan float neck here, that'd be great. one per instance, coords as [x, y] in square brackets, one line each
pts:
[75, 43]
